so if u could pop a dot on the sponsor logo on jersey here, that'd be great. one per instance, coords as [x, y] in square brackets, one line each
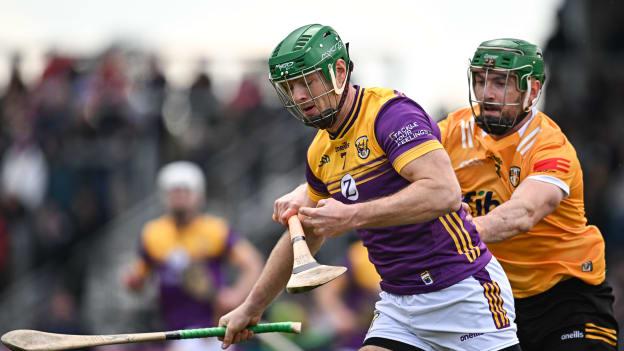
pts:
[407, 133]
[552, 165]
[324, 160]
[514, 176]
[426, 278]
[587, 266]
[361, 144]
[469, 336]
[342, 147]
[348, 188]
[577, 334]
[481, 202]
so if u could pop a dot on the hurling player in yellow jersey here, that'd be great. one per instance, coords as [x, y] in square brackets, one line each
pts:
[189, 252]
[377, 166]
[523, 182]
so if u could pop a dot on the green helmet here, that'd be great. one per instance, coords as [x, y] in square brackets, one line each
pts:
[519, 56]
[311, 49]
[507, 56]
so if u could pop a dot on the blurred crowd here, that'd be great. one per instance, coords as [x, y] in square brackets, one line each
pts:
[82, 144]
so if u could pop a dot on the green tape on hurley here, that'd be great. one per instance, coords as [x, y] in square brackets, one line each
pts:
[283, 327]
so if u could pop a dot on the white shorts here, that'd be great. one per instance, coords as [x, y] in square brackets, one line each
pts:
[475, 314]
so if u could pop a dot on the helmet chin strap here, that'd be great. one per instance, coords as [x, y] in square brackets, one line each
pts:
[526, 106]
[328, 116]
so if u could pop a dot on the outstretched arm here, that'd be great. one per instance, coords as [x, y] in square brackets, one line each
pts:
[270, 284]
[244, 256]
[530, 203]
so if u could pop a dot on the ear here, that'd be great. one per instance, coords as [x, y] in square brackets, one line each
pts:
[536, 87]
[341, 72]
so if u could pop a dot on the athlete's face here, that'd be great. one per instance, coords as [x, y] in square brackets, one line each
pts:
[181, 200]
[311, 93]
[498, 94]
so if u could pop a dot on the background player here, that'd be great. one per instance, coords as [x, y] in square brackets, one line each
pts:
[188, 251]
[524, 183]
[348, 301]
[376, 165]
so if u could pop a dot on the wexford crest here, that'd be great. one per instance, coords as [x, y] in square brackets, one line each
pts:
[362, 147]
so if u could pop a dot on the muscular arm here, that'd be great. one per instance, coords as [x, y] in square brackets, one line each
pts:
[278, 269]
[433, 192]
[530, 203]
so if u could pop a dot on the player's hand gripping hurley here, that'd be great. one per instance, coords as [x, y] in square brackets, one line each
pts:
[34, 340]
[307, 274]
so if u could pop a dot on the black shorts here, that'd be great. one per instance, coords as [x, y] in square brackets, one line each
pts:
[571, 316]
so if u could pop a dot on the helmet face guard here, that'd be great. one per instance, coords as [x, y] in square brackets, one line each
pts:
[493, 68]
[307, 59]
[481, 82]
[328, 94]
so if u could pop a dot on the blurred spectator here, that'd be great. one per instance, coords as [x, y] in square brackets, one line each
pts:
[188, 252]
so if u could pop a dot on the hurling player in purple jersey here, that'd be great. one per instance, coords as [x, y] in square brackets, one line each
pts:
[377, 166]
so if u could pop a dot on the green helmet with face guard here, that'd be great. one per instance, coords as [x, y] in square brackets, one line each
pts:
[508, 56]
[310, 50]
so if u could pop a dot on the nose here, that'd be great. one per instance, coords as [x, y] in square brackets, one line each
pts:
[489, 92]
[300, 92]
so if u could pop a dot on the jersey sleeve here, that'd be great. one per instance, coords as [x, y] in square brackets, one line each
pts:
[144, 252]
[316, 188]
[232, 239]
[405, 132]
[554, 163]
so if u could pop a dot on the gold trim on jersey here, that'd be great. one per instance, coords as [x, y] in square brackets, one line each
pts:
[315, 195]
[466, 248]
[360, 181]
[367, 167]
[415, 153]
[595, 332]
[495, 302]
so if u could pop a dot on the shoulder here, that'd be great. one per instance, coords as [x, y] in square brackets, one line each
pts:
[548, 135]
[458, 117]
[156, 227]
[213, 223]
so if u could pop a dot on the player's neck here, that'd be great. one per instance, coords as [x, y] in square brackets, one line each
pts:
[182, 219]
[513, 130]
[344, 110]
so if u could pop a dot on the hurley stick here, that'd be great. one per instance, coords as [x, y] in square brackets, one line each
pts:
[307, 274]
[34, 340]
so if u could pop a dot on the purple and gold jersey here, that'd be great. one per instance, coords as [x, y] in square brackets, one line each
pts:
[384, 132]
[189, 263]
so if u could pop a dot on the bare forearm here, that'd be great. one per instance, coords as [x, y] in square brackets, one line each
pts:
[506, 221]
[277, 271]
[420, 202]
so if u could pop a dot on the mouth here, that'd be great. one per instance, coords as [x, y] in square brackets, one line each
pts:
[310, 110]
[492, 110]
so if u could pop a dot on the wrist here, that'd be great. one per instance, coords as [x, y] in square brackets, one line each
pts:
[358, 217]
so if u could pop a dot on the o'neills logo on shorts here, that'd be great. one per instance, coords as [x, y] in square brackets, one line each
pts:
[577, 334]
[469, 336]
